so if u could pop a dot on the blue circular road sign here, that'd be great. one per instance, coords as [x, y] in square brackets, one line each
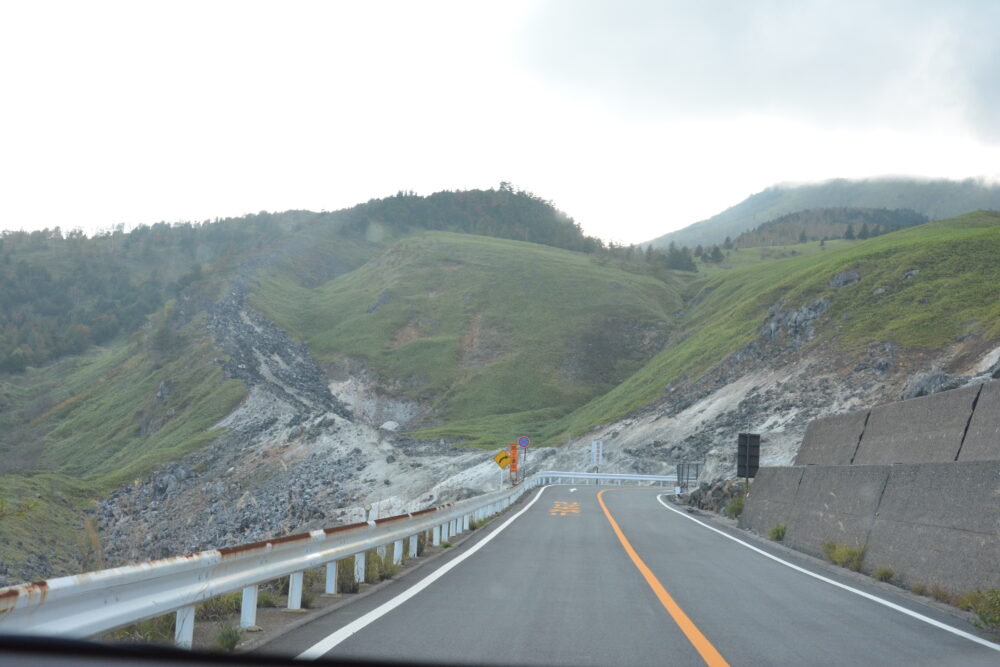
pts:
[523, 441]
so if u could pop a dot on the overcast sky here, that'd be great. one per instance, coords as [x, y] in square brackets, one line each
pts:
[635, 118]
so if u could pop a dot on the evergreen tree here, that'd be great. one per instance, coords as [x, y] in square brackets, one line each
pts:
[728, 243]
[863, 234]
[849, 234]
[680, 259]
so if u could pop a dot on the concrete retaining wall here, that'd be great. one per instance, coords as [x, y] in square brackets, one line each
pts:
[832, 440]
[773, 492]
[835, 503]
[921, 492]
[921, 430]
[939, 523]
[933, 523]
[982, 441]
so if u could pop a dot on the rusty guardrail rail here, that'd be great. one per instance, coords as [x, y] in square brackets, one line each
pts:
[92, 603]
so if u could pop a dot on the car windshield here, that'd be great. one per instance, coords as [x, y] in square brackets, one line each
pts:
[527, 332]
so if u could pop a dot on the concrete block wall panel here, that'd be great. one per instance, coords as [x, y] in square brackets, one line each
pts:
[982, 440]
[832, 440]
[835, 504]
[771, 498]
[920, 430]
[939, 523]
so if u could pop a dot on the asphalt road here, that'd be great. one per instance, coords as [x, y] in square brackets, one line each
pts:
[557, 586]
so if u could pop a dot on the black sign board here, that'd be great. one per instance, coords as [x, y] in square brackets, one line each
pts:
[747, 455]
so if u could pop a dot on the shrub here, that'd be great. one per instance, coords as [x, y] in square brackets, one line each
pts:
[220, 607]
[940, 593]
[884, 574]
[345, 576]
[374, 566]
[843, 555]
[421, 543]
[390, 570]
[968, 601]
[445, 545]
[265, 599]
[919, 589]
[159, 630]
[778, 532]
[986, 604]
[735, 507]
[314, 578]
[308, 599]
[228, 638]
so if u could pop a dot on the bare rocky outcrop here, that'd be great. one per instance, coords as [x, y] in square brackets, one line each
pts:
[774, 386]
[294, 456]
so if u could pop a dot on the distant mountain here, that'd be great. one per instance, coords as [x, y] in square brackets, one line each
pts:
[935, 199]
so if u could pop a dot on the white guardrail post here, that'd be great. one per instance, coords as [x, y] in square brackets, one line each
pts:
[184, 627]
[93, 603]
[331, 578]
[248, 607]
[397, 552]
[295, 591]
[359, 567]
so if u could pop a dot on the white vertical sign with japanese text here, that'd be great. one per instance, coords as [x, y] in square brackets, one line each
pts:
[596, 452]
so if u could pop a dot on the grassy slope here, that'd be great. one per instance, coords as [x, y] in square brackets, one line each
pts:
[529, 303]
[955, 293]
[86, 439]
[744, 257]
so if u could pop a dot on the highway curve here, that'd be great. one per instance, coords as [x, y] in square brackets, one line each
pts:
[569, 577]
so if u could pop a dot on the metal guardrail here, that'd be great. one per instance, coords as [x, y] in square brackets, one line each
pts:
[556, 477]
[92, 603]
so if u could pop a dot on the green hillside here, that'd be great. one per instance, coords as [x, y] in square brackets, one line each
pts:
[104, 377]
[73, 431]
[494, 336]
[954, 293]
[934, 199]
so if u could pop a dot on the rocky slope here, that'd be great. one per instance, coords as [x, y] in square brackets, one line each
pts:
[773, 388]
[293, 458]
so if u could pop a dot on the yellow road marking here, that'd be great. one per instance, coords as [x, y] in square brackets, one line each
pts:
[704, 647]
[560, 508]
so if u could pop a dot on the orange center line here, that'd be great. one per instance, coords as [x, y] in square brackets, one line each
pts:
[701, 644]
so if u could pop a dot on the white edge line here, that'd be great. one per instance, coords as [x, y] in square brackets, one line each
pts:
[325, 645]
[869, 596]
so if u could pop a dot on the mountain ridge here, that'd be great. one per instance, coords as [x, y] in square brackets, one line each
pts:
[935, 199]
